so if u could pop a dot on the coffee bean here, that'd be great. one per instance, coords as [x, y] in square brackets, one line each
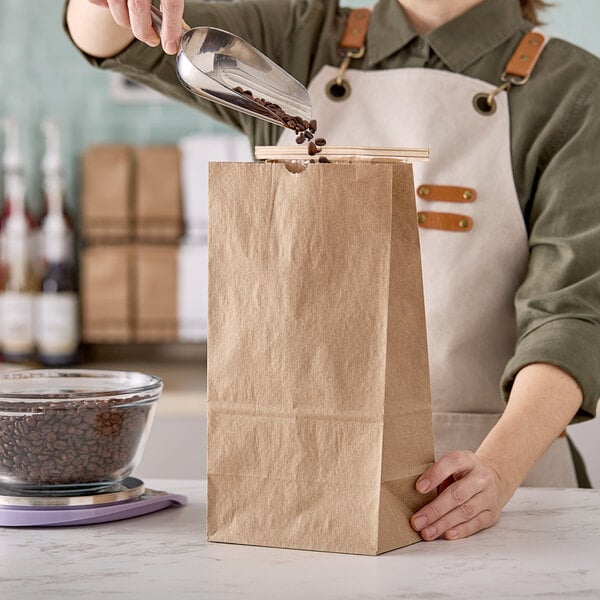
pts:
[305, 129]
[320, 141]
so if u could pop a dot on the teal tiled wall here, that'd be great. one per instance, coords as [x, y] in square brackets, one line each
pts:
[42, 75]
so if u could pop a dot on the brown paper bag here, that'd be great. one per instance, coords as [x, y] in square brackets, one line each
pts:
[106, 194]
[318, 388]
[106, 294]
[158, 211]
[156, 293]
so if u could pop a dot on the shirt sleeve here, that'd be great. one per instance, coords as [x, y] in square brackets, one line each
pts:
[272, 26]
[558, 304]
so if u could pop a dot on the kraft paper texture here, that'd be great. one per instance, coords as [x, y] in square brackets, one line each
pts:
[319, 413]
[158, 210]
[155, 275]
[106, 188]
[106, 310]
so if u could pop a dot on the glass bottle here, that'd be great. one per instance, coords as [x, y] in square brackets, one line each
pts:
[12, 166]
[52, 165]
[18, 282]
[57, 307]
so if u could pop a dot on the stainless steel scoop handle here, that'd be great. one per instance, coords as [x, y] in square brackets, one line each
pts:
[212, 62]
[156, 16]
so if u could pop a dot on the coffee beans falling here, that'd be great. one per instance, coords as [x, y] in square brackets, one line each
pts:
[90, 441]
[305, 130]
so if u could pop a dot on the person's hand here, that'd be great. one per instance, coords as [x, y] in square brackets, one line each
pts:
[469, 498]
[135, 15]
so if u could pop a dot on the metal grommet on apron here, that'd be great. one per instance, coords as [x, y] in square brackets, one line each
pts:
[352, 46]
[338, 89]
[484, 105]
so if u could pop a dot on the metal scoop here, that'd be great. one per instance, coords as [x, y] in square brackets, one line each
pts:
[211, 63]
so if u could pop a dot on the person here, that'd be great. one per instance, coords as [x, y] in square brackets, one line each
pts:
[511, 276]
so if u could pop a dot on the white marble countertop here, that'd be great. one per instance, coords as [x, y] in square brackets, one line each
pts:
[547, 545]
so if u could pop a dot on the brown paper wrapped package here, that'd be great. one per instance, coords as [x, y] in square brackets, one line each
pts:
[318, 387]
[106, 294]
[106, 194]
[156, 293]
[158, 211]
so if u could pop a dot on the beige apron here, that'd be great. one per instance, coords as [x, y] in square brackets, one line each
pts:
[470, 276]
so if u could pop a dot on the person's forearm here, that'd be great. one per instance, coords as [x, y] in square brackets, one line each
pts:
[542, 402]
[94, 30]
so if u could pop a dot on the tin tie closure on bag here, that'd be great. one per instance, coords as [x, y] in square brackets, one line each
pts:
[517, 72]
[341, 154]
[352, 46]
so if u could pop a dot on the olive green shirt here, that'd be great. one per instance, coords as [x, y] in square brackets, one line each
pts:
[555, 142]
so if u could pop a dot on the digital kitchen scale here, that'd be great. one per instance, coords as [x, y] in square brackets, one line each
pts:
[127, 499]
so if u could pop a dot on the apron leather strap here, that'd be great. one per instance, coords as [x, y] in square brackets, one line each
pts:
[523, 61]
[444, 221]
[446, 193]
[520, 66]
[355, 34]
[353, 45]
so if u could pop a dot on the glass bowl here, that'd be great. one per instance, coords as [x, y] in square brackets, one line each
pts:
[73, 431]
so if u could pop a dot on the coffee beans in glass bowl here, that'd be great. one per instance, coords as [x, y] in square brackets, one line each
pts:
[73, 431]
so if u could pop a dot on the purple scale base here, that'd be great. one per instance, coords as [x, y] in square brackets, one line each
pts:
[60, 516]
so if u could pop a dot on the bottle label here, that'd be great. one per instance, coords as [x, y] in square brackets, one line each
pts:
[57, 323]
[17, 323]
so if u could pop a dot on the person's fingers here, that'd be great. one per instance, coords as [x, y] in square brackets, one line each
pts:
[450, 499]
[141, 22]
[119, 12]
[453, 463]
[461, 514]
[445, 484]
[483, 520]
[170, 34]
[102, 3]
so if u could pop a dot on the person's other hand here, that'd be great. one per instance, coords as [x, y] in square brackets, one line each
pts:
[468, 497]
[135, 15]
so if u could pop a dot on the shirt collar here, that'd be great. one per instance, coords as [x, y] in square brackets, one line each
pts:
[458, 43]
